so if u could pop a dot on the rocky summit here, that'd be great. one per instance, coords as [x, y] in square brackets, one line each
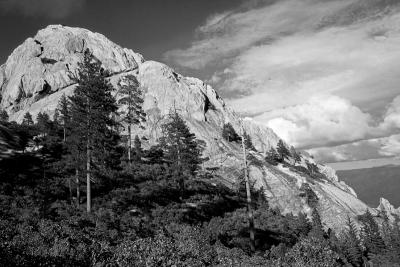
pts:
[36, 75]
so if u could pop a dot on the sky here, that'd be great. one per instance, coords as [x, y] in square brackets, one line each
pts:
[323, 74]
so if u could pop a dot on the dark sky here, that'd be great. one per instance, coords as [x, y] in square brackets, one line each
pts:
[150, 27]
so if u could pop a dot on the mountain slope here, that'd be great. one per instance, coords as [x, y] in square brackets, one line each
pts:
[36, 75]
[373, 183]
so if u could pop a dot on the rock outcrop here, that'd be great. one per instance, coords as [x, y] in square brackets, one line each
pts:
[36, 75]
[39, 68]
[388, 209]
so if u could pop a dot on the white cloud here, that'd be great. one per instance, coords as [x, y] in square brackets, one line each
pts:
[391, 146]
[359, 150]
[230, 32]
[322, 120]
[384, 147]
[392, 116]
[320, 73]
[42, 8]
[342, 61]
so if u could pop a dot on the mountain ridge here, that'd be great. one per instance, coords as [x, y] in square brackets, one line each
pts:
[35, 76]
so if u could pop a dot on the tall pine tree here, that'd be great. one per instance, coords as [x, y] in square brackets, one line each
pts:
[132, 98]
[351, 244]
[180, 148]
[373, 241]
[64, 116]
[43, 123]
[92, 124]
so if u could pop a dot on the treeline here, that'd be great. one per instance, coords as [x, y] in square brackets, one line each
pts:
[148, 207]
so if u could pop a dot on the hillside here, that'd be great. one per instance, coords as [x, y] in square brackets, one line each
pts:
[35, 76]
[373, 183]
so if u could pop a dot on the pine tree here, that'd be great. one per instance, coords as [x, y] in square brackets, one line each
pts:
[304, 225]
[56, 116]
[180, 148]
[132, 98]
[311, 198]
[247, 142]
[312, 167]
[391, 237]
[3, 116]
[229, 133]
[373, 241]
[295, 155]
[352, 244]
[250, 214]
[137, 149]
[64, 116]
[75, 160]
[43, 123]
[27, 120]
[154, 155]
[92, 124]
[317, 229]
[282, 150]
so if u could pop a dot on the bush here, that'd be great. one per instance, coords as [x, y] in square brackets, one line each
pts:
[309, 252]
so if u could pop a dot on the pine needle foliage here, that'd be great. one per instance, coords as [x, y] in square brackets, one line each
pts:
[92, 123]
[180, 147]
[372, 239]
[352, 244]
[132, 98]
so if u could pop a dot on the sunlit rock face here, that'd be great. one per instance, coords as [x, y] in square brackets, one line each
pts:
[38, 70]
[388, 209]
[36, 75]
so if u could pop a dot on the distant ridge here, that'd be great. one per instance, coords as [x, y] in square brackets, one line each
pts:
[373, 183]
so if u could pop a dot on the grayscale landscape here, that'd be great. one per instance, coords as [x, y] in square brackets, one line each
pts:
[200, 133]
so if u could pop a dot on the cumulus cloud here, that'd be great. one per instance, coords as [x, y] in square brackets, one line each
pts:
[322, 120]
[42, 8]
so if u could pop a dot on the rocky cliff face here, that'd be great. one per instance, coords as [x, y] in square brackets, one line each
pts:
[388, 209]
[36, 75]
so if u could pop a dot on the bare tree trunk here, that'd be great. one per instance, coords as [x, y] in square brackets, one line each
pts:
[88, 161]
[78, 189]
[130, 144]
[70, 189]
[248, 194]
[88, 189]
[181, 180]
